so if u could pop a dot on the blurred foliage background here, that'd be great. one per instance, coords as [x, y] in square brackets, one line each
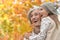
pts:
[13, 18]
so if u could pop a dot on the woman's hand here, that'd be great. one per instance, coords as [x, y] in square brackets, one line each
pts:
[27, 35]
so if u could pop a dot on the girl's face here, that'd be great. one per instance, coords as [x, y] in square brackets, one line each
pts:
[43, 12]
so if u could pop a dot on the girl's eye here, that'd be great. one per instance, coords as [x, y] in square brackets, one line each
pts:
[41, 15]
[41, 9]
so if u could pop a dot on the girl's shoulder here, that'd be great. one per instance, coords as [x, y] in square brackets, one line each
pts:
[47, 23]
[47, 20]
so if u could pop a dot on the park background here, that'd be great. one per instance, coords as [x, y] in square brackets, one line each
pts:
[13, 18]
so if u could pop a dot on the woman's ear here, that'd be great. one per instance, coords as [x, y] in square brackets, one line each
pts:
[32, 25]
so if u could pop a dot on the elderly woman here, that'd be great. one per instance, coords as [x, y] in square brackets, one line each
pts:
[49, 25]
[35, 19]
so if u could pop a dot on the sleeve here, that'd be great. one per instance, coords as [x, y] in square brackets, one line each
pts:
[40, 36]
[45, 25]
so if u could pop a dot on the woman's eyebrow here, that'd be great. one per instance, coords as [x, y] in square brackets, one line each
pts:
[36, 12]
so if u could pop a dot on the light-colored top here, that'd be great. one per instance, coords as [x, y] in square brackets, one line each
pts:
[47, 32]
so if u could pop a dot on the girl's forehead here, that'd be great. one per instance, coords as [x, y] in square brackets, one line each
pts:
[41, 7]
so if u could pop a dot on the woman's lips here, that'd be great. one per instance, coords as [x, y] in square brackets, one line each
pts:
[35, 21]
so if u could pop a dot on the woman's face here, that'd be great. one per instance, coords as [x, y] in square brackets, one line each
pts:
[35, 17]
[43, 12]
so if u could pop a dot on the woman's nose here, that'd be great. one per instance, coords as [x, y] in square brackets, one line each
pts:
[33, 17]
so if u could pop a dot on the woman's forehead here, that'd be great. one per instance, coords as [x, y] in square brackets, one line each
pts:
[35, 11]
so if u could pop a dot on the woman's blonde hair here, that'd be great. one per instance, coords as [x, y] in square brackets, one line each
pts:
[30, 11]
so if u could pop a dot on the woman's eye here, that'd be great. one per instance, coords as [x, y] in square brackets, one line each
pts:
[36, 14]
